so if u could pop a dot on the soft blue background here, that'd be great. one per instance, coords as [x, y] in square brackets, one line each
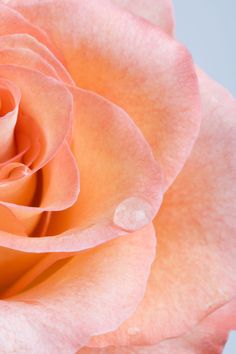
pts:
[208, 29]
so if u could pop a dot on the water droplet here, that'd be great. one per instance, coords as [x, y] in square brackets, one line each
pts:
[133, 213]
[132, 331]
[19, 171]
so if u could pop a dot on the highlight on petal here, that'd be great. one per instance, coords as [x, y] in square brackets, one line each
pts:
[195, 270]
[93, 292]
[133, 64]
[159, 12]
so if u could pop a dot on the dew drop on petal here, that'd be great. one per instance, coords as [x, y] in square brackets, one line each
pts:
[132, 331]
[133, 213]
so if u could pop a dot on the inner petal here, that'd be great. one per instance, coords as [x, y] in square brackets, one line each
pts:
[9, 106]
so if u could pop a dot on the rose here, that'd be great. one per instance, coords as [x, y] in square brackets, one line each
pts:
[128, 91]
[59, 304]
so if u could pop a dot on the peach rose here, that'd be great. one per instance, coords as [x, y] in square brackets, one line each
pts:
[102, 154]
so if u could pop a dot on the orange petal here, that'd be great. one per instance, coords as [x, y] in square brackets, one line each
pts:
[159, 12]
[12, 171]
[60, 181]
[92, 293]
[28, 130]
[18, 191]
[12, 263]
[26, 41]
[19, 195]
[52, 113]
[9, 223]
[208, 337]
[27, 58]
[11, 22]
[16, 195]
[22, 146]
[120, 182]
[119, 177]
[9, 105]
[132, 63]
[195, 269]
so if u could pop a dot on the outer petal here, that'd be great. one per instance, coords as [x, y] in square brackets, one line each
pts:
[209, 336]
[195, 270]
[133, 64]
[159, 12]
[92, 293]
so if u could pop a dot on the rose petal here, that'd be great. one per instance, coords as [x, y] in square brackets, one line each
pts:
[159, 12]
[9, 105]
[117, 172]
[13, 171]
[51, 112]
[13, 262]
[209, 336]
[116, 166]
[11, 22]
[9, 223]
[27, 130]
[18, 195]
[92, 293]
[133, 64]
[195, 270]
[23, 144]
[28, 59]
[18, 191]
[60, 181]
[25, 41]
